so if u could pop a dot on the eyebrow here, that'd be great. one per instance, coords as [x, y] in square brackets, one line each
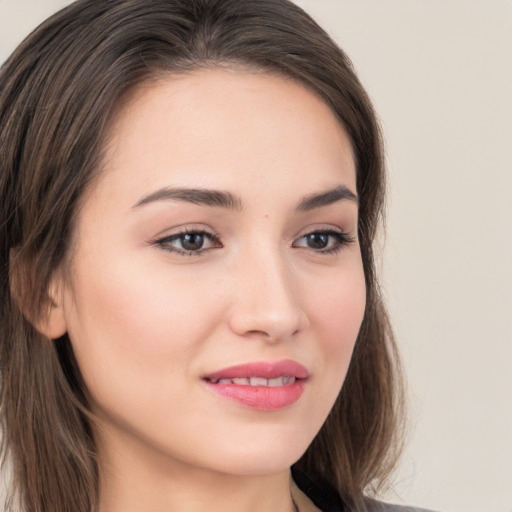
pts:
[198, 196]
[223, 199]
[340, 193]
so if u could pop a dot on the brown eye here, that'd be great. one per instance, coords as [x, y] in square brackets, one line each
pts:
[192, 241]
[317, 240]
[189, 242]
[325, 242]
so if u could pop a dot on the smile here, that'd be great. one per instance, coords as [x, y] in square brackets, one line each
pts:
[285, 380]
[262, 386]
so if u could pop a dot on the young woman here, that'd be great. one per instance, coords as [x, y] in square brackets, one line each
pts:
[190, 316]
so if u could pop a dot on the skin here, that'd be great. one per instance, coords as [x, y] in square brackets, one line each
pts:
[147, 323]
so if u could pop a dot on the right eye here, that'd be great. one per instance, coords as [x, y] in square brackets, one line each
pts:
[189, 242]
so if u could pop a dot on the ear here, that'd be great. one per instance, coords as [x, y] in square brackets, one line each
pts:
[51, 322]
[49, 317]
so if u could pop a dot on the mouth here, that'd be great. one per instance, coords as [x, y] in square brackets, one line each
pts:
[264, 386]
[285, 380]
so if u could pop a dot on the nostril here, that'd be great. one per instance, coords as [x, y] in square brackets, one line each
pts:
[258, 333]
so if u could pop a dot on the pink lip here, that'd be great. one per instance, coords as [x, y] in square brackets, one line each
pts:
[263, 398]
[267, 370]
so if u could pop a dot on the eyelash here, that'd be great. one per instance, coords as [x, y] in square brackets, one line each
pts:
[341, 238]
[165, 242]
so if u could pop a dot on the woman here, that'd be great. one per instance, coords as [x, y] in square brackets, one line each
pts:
[190, 317]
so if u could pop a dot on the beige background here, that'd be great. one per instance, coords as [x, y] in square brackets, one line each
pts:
[440, 74]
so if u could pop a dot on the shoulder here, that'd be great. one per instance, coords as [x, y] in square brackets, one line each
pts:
[378, 506]
[327, 499]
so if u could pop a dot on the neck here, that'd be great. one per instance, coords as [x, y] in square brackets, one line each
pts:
[223, 493]
[142, 484]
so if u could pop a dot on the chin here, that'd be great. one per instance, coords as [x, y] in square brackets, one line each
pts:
[260, 453]
[259, 464]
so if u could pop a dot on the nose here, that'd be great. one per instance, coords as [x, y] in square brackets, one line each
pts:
[266, 303]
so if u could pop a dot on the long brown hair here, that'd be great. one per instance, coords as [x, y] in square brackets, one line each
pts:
[57, 93]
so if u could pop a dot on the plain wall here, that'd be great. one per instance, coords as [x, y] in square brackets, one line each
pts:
[440, 75]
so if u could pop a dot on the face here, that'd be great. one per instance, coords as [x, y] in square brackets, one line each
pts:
[215, 290]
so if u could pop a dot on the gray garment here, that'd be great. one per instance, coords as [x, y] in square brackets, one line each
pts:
[327, 499]
[378, 506]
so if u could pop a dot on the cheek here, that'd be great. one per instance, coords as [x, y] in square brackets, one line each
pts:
[338, 308]
[133, 322]
[336, 314]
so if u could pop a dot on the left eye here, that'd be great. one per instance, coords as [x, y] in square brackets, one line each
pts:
[324, 241]
[190, 242]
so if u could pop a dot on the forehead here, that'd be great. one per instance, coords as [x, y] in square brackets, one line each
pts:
[212, 125]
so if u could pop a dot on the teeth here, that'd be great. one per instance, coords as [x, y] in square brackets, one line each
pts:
[258, 381]
[281, 381]
[241, 381]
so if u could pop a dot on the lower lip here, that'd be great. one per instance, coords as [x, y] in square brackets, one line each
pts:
[261, 398]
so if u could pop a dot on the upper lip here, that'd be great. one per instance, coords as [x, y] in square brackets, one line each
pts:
[265, 369]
